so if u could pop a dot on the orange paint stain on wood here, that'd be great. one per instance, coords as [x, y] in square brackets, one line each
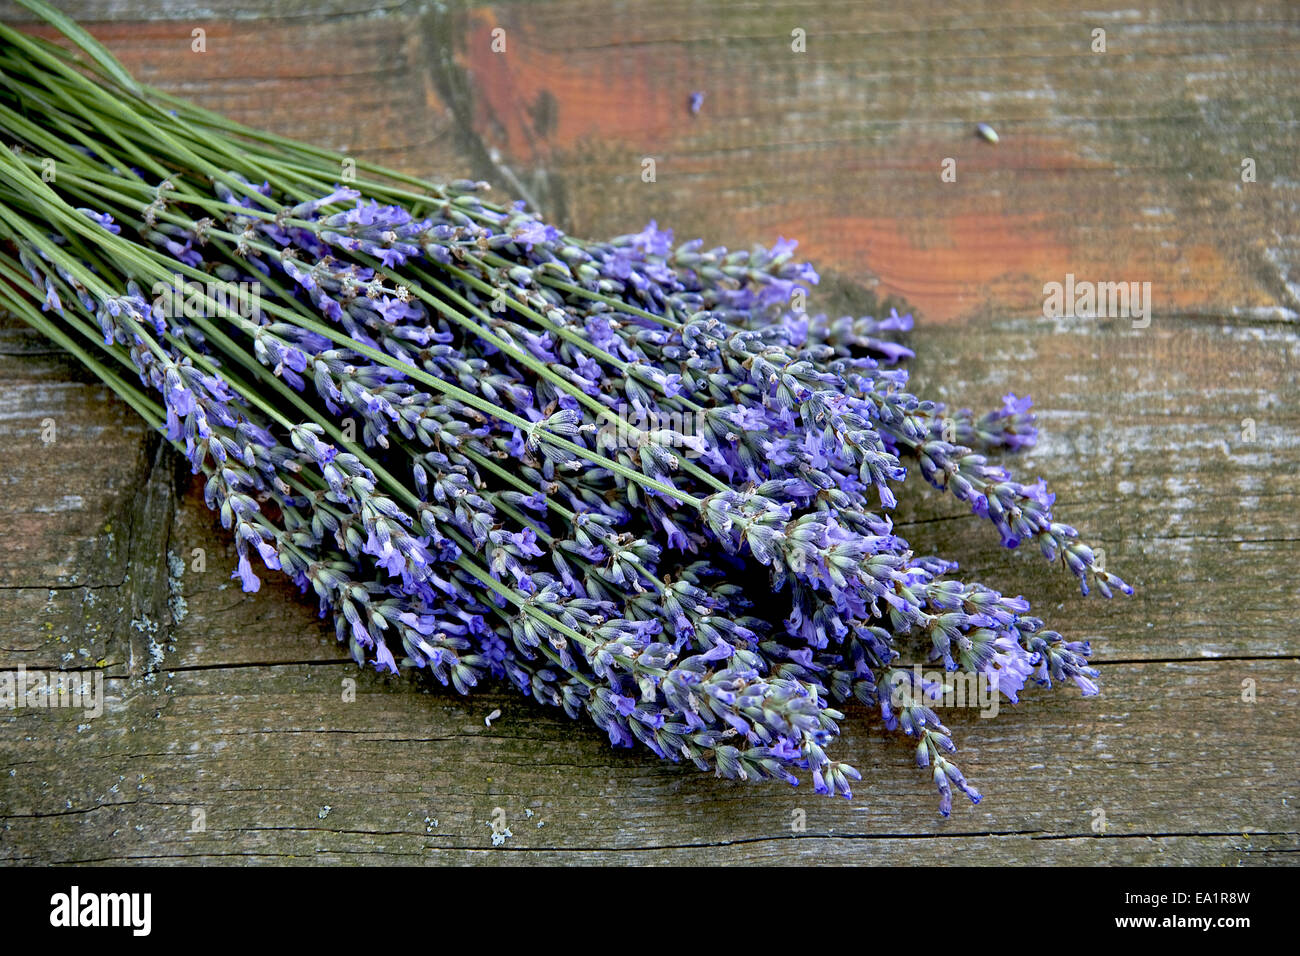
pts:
[943, 268]
[948, 268]
[532, 103]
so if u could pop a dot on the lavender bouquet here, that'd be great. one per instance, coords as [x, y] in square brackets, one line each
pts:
[629, 478]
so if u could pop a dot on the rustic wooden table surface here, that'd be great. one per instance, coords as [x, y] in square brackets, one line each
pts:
[226, 736]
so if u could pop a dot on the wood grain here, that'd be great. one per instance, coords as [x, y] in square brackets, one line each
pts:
[1123, 166]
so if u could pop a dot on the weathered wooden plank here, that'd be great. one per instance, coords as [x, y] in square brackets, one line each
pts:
[842, 146]
[1122, 166]
[78, 569]
[1143, 144]
[1150, 464]
[263, 751]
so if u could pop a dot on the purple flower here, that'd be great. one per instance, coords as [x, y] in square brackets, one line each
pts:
[783, 247]
[1016, 406]
[247, 578]
[534, 232]
[652, 240]
[748, 419]
[103, 218]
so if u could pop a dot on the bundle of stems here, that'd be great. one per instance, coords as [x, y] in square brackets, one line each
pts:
[628, 478]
